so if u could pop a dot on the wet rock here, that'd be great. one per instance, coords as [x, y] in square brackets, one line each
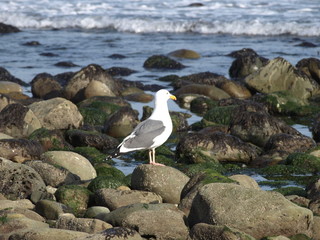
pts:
[202, 78]
[50, 210]
[116, 56]
[313, 190]
[165, 181]
[18, 121]
[245, 181]
[246, 65]
[216, 203]
[57, 113]
[121, 123]
[196, 5]
[139, 97]
[9, 87]
[116, 233]
[113, 199]
[201, 105]
[235, 90]
[75, 197]
[162, 62]
[64, 78]
[76, 87]
[185, 53]
[218, 146]
[210, 91]
[280, 75]
[80, 138]
[243, 52]
[70, 222]
[19, 181]
[311, 67]
[32, 43]
[315, 128]
[221, 115]
[44, 86]
[207, 231]
[5, 28]
[20, 150]
[255, 125]
[306, 44]
[304, 161]
[50, 139]
[5, 75]
[66, 64]
[53, 175]
[120, 71]
[73, 162]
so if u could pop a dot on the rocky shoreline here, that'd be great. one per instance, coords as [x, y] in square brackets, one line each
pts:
[56, 183]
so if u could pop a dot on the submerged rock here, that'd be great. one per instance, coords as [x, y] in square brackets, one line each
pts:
[185, 53]
[162, 62]
[5, 28]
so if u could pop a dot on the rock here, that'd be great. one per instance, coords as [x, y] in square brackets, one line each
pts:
[18, 121]
[235, 90]
[313, 190]
[76, 87]
[75, 197]
[70, 222]
[300, 201]
[9, 87]
[207, 231]
[113, 199]
[245, 181]
[304, 161]
[316, 228]
[116, 233]
[162, 62]
[120, 71]
[121, 123]
[217, 146]
[220, 115]
[20, 150]
[314, 206]
[18, 181]
[306, 44]
[311, 67]
[80, 138]
[185, 53]
[216, 203]
[246, 65]
[66, 64]
[280, 75]
[21, 211]
[32, 43]
[201, 105]
[139, 97]
[212, 92]
[71, 161]
[50, 210]
[165, 181]
[242, 53]
[202, 78]
[96, 212]
[5, 100]
[6, 205]
[5, 28]
[57, 113]
[105, 182]
[97, 88]
[5, 75]
[52, 175]
[43, 85]
[315, 128]
[184, 100]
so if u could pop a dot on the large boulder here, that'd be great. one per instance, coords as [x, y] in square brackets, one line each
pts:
[165, 181]
[255, 212]
[9, 87]
[45, 85]
[71, 161]
[18, 120]
[279, 75]
[75, 90]
[162, 62]
[311, 67]
[18, 181]
[57, 113]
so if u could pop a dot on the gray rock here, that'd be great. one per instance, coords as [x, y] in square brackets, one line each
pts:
[316, 228]
[245, 181]
[113, 199]
[71, 161]
[116, 233]
[168, 182]
[20, 150]
[50, 210]
[255, 212]
[22, 203]
[70, 222]
[53, 175]
[96, 212]
[5, 100]
[57, 113]
[11, 210]
[43, 85]
[311, 67]
[280, 75]
[203, 231]
[18, 121]
[18, 181]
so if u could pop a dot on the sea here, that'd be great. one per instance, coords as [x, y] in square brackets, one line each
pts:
[91, 31]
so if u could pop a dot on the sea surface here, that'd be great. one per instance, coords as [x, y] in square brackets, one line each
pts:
[89, 31]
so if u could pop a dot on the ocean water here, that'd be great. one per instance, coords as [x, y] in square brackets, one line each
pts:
[86, 31]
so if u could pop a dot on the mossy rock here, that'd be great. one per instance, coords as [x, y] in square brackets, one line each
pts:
[105, 182]
[162, 150]
[213, 176]
[197, 155]
[201, 105]
[93, 155]
[104, 169]
[286, 191]
[220, 115]
[274, 184]
[185, 53]
[304, 161]
[75, 197]
[281, 170]
[192, 169]
[169, 78]
[127, 180]
[162, 62]
[93, 116]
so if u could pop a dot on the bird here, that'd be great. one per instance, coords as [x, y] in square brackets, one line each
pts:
[152, 132]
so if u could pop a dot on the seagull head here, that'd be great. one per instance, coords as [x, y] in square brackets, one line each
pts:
[164, 94]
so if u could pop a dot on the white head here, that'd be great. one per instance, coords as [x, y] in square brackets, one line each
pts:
[164, 94]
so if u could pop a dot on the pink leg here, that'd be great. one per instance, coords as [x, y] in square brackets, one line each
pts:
[154, 158]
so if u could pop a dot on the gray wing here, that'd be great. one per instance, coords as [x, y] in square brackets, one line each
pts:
[144, 134]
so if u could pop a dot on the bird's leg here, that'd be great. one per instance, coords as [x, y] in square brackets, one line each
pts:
[150, 156]
[154, 158]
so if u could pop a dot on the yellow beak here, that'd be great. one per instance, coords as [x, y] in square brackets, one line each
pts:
[173, 97]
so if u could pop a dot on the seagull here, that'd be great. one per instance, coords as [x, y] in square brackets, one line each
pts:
[152, 132]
